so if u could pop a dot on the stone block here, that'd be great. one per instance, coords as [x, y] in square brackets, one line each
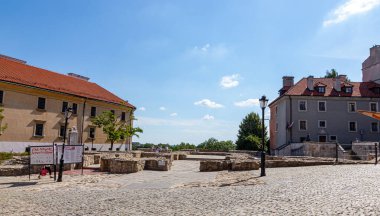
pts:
[212, 165]
[120, 165]
[105, 162]
[159, 164]
[136, 154]
[97, 159]
[244, 165]
[88, 160]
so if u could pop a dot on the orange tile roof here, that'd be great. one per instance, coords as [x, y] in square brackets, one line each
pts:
[359, 89]
[17, 72]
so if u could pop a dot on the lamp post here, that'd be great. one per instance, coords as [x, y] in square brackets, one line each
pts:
[61, 161]
[263, 104]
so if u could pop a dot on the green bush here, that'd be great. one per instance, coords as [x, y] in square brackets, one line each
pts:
[9, 155]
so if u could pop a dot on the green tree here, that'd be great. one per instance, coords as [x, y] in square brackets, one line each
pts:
[2, 128]
[250, 133]
[331, 74]
[214, 144]
[115, 130]
[182, 146]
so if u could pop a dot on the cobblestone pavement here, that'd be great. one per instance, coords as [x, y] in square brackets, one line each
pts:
[318, 190]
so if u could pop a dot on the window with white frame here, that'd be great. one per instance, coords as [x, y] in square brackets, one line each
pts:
[352, 127]
[322, 106]
[374, 127]
[321, 123]
[321, 89]
[302, 125]
[302, 105]
[351, 106]
[373, 106]
[348, 89]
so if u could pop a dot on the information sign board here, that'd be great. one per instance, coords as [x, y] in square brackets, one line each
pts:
[41, 155]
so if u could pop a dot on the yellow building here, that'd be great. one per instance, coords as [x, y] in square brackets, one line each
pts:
[34, 101]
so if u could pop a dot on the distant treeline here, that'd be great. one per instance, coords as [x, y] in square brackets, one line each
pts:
[210, 144]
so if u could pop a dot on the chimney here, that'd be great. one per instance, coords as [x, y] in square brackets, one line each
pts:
[337, 85]
[370, 66]
[78, 76]
[287, 81]
[342, 78]
[310, 83]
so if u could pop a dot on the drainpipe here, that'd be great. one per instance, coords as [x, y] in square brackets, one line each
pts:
[84, 108]
[291, 118]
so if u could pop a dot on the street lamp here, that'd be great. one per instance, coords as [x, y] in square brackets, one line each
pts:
[60, 171]
[263, 104]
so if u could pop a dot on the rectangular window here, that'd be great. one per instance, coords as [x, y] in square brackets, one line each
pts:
[348, 89]
[373, 106]
[302, 139]
[322, 123]
[276, 127]
[93, 111]
[39, 129]
[75, 108]
[352, 126]
[374, 127]
[61, 130]
[92, 133]
[1, 96]
[302, 125]
[122, 137]
[351, 107]
[64, 106]
[333, 138]
[41, 103]
[322, 138]
[276, 110]
[322, 106]
[123, 116]
[321, 89]
[302, 106]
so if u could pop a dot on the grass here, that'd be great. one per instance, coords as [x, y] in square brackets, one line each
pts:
[8, 155]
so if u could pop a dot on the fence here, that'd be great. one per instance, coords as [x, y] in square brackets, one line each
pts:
[366, 151]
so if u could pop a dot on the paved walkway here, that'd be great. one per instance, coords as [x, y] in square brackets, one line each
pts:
[317, 190]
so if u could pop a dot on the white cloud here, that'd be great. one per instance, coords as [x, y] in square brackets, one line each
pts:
[162, 108]
[230, 81]
[142, 108]
[208, 103]
[207, 50]
[208, 117]
[350, 8]
[247, 103]
[174, 114]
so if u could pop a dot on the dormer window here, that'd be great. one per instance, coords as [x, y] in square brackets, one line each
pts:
[348, 90]
[321, 89]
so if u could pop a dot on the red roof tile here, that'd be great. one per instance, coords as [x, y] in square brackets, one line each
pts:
[359, 89]
[17, 72]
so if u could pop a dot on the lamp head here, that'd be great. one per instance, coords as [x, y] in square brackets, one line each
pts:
[263, 102]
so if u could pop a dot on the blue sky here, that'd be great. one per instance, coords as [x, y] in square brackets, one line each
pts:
[193, 69]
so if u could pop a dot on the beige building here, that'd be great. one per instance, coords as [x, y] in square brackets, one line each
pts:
[34, 101]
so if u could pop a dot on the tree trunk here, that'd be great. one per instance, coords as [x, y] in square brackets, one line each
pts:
[111, 145]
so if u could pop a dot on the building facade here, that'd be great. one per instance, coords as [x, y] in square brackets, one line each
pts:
[34, 101]
[325, 109]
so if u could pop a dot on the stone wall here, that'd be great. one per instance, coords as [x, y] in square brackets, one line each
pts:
[364, 150]
[234, 165]
[121, 165]
[159, 164]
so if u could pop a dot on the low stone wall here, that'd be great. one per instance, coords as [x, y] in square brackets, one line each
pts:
[364, 150]
[244, 165]
[136, 154]
[234, 165]
[120, 165]
[168, 156]
[105, 163]
[97, 158]
[159, 164]
[88, 160]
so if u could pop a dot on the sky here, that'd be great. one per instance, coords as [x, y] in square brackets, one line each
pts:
[193, 69]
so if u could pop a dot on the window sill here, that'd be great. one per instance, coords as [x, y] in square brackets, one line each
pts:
[41, 110]
[38, 136]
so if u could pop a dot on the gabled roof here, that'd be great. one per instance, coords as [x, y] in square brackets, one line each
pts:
[359, 89]
[18, 72]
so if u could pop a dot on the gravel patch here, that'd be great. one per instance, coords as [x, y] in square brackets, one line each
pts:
[316, 190]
